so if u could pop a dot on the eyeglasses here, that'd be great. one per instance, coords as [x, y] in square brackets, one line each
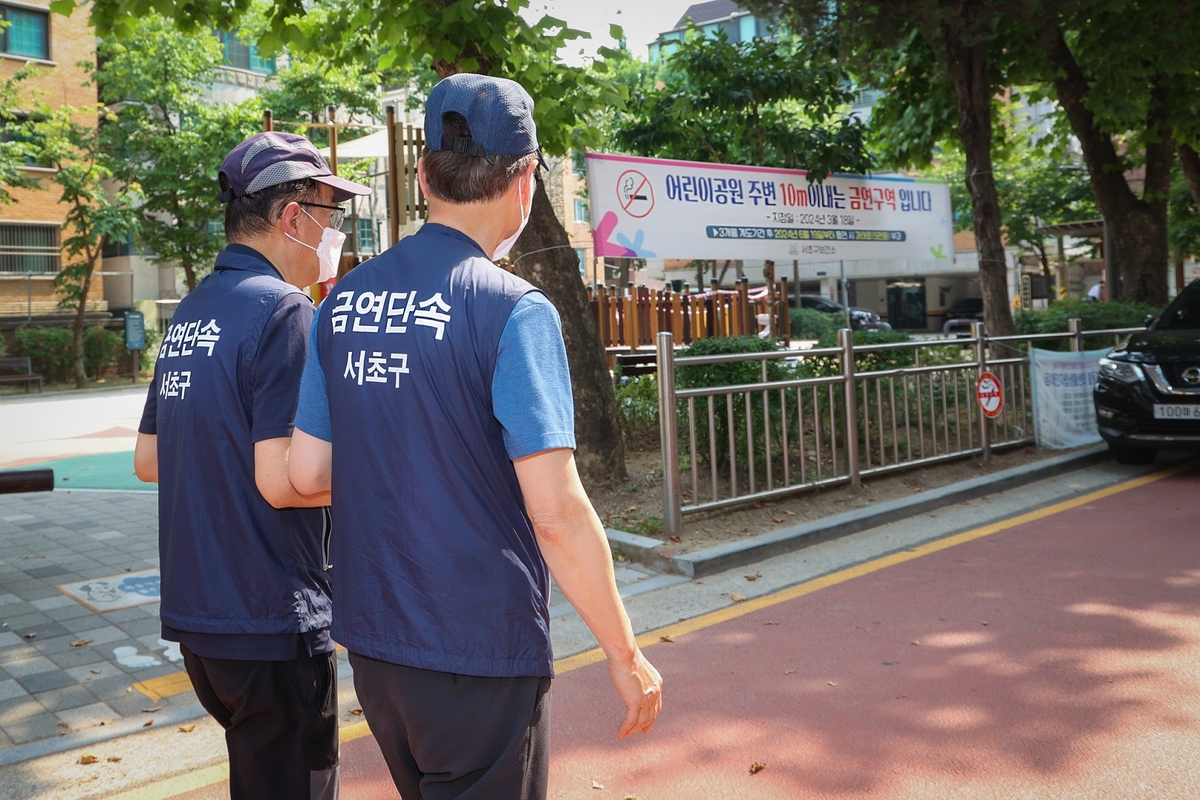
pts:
[335, 219]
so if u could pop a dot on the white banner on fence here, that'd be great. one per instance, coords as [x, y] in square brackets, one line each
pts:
[1063, 412]
[658, 208]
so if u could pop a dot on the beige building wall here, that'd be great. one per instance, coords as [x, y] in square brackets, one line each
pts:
[566, 186]
[60, 82]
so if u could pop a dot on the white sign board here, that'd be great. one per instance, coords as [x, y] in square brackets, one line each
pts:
[1064, 414]
[658, 208]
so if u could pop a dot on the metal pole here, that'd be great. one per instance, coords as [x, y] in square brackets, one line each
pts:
[845, 292]
[846, 340]
[668, 427]
[29, 297]
[1110, 269]
[393, 180]
[979, 331]
[1076, 328]
[268, 120]
[331, 111]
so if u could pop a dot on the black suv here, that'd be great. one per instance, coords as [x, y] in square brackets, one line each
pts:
[1148, 391]
[860, 318]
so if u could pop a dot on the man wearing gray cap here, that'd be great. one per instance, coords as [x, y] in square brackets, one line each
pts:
[436, 402]
[244, 557]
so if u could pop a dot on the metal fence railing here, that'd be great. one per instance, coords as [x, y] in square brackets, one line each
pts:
[820, 417]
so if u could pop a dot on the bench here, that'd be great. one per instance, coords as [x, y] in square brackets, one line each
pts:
[22, 371]
[632, 364]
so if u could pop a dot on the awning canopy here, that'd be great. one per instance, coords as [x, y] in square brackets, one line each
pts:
[373, 145]
[1091, 227]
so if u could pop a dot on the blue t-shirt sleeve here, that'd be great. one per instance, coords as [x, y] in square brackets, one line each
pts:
[149, 423]
[278, 364]
[313, 414]
[531, 386]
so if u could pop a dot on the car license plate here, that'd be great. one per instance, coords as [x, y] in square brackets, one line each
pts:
[1176, 411]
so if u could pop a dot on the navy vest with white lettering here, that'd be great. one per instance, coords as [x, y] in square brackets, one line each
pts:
[435, 564]
[231, 564]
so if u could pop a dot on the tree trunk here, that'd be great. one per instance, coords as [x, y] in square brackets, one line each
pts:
[1137, 227]
[601, 452]
[77, 338]
[973, 98]
[1189, 161]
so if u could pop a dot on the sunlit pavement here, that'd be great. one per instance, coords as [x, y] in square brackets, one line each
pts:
[1054, 655]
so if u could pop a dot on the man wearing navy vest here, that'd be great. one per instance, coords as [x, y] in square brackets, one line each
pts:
[245, 587]
[437, 404]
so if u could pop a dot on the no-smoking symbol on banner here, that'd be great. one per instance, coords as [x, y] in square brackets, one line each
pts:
[990, 394]
[635, 193]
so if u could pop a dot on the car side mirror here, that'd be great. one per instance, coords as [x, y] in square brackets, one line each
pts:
[1150, 320]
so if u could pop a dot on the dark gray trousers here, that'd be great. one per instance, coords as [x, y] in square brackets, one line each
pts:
[450, 736]
[280, 721]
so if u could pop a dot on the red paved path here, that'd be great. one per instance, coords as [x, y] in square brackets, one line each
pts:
[1085, 681]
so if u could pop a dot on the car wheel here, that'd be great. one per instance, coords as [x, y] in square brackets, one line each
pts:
[1124, 454]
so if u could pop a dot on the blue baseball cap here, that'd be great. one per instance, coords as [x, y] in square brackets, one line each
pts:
[271, 158]
[499, 113]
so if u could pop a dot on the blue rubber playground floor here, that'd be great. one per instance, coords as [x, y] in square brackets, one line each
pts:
[102, 471]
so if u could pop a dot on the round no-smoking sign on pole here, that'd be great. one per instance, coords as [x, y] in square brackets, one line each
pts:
[990, 394]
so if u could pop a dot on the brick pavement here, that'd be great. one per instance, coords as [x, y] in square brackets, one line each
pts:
[59, 673]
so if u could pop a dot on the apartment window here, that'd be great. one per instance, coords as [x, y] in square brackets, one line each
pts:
[27, 33]
[581, 211]
[29, 248]
[240, 55]
[579, 163]
[366, 235]
[116, 248]
[18, 131]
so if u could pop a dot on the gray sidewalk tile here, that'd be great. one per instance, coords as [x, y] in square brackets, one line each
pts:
[10, 689]
[47, 603]
[73, 611]
[129, 704]
[17, 708]
[88, 627]
[29, 666]
[8, 639]
[72, 696]
[43, 726]
[124, 615]
[141, 627]
[45, 681]
[86, 716]
[88, 674]
[108, 689]
[41, 631]
[76, 657]
[12, 655]
[50, 571]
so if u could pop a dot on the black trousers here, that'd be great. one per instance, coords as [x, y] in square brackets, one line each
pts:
[280, 721]
[454, 736]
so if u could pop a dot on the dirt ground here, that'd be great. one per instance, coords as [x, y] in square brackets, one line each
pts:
[637, 506]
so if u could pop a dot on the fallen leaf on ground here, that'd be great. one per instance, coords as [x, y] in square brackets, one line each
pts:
[757, 766]
[597, 785]
[104, 722]
[81, 642]
[776, 520]
[676, 538]
[151, 709]
[113, 759]
[187, 728]
[31, 635]
[737, 598]
[64, 724]
[95, 671]
[667, 638]
[357, 711]
[87, 758]
[771, 622]
[753, 577]
[789, 672]
[790, 513]
[147, 723]
[620, 557]
[983, 623]
[916, 642]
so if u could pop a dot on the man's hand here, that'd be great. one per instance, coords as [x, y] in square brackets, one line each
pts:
[640, 687]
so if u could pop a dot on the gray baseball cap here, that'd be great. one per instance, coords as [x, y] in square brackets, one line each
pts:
[271, 158]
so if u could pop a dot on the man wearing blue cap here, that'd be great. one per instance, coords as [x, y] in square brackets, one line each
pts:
[437, 404]
[245, 588]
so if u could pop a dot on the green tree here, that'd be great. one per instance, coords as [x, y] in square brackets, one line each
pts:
[1127, 75]
[166, 137]
[451, 36]
[1036, 184]
[775, 103]
[16, 149]
[78, 156]
[942, 63]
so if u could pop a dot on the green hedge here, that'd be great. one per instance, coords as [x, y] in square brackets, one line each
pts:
[1092, 316]
[810, 324]
[637, 404]
[50, 350]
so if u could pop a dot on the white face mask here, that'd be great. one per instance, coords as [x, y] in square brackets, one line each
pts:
[329, 250]
[506, 245]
